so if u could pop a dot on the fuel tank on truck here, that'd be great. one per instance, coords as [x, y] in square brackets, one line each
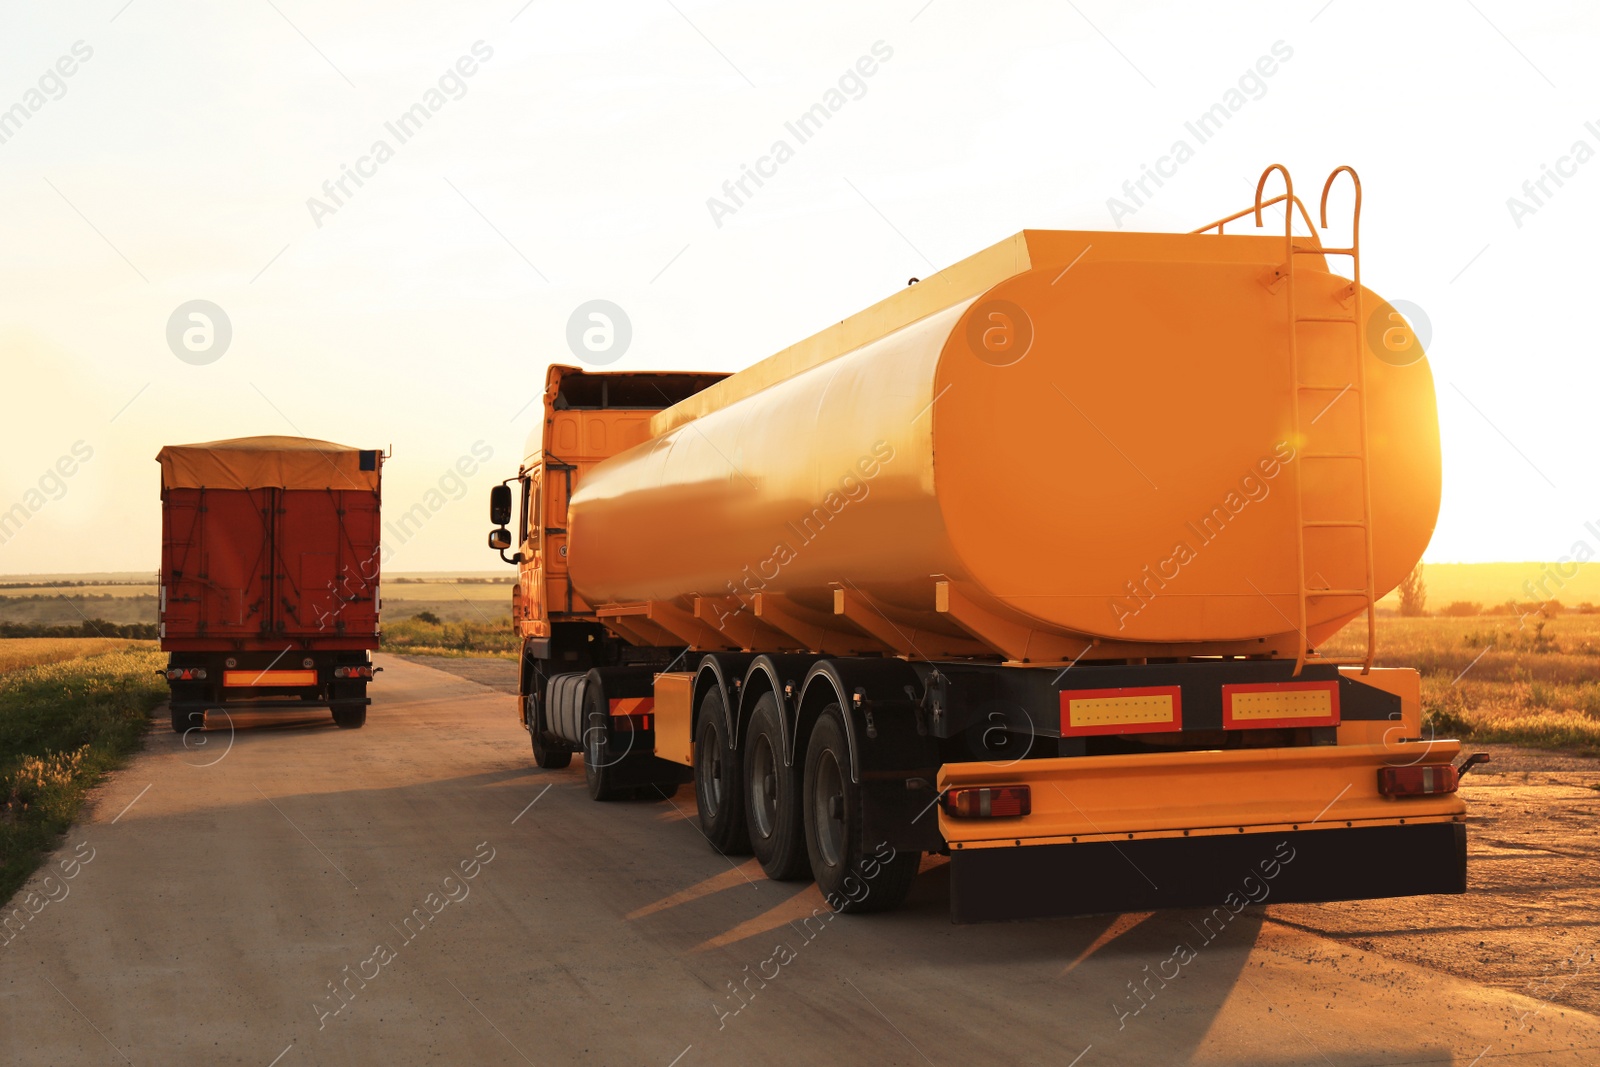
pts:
[1070, 444]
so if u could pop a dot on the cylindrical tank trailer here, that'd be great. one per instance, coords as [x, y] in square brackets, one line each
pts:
[1026, 565]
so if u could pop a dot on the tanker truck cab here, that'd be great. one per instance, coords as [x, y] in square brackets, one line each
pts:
[1027, 567]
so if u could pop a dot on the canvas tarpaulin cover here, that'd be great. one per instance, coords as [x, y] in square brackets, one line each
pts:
[268, 462]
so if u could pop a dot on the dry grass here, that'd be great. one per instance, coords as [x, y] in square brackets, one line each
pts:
[19, 652]
[1529, 681]
[452, 638]
[64, 723]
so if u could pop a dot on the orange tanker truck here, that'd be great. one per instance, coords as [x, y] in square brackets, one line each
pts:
[1027, 565]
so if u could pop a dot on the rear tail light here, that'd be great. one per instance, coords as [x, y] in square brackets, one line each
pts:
[1417, 781]
[989, 802]
[352, 672]
[186, 674]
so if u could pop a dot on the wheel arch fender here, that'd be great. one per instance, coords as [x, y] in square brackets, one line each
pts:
[722, 672]
[879, 699]
[782, 676]
[529, 683]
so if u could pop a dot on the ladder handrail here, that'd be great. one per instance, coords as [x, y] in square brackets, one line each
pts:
[1354, 253]
[1311, 229]
[1303, 623]
[1355, 224]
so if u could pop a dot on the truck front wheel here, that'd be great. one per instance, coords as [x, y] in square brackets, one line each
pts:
[184, 721]
[351, 717]
[855, 875]
[772, 791]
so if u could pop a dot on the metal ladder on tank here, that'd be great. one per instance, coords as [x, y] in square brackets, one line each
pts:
[1300, 390]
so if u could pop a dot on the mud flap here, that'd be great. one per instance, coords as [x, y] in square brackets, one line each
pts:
[1049, 881]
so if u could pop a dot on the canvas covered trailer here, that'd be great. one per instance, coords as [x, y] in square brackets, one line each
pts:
[270, 559]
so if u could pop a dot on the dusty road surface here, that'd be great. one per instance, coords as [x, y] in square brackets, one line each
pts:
[289, 893]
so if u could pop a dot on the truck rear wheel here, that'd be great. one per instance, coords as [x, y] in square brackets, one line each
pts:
[855, 875]
[353, 717]
[718, 789]
[772, 790]
[544, 755]
[598, 762]
[184, 721]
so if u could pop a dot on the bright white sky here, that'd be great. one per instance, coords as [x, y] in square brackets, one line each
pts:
[178, 163]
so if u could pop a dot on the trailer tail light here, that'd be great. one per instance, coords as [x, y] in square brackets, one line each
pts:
[1264, 705]
[1426, 781]
[989, 802]
[186, 674]
[1147, 709]
[352, 672]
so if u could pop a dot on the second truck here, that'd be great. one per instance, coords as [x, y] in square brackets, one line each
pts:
[269, 588]
[1027, 565]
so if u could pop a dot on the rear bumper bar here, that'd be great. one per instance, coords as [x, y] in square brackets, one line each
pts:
[1230, 872]
[265, 705]
[1171, 794]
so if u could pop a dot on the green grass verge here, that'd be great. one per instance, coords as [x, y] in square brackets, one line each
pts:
[62, 726]
[433, 637]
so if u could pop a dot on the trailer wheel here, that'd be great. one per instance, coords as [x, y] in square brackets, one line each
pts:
[545, 756]
[772, 791]
[855, 875]
[350, 718]
[184, 721]
[718, 789]
[598, 762]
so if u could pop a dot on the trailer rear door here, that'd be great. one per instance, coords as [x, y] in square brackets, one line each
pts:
[327, 562]
[215, 562]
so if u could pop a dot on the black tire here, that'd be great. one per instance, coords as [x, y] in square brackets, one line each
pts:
[184, 721]
[545, 755]
[718, 785]
[598, 758]
[659, 792]
[772, 797]
[855, 876]
[352, 717]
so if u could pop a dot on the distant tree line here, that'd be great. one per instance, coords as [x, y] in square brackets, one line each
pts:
[139, 631]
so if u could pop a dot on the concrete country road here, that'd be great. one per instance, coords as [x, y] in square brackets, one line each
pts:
[414, 892]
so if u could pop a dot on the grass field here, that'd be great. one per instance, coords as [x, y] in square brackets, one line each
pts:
[70, 710]
[1527, 681]
[19, 652]
[451, 638]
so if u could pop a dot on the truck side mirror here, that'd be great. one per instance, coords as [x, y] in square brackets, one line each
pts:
[500, 505]
[500, 539]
